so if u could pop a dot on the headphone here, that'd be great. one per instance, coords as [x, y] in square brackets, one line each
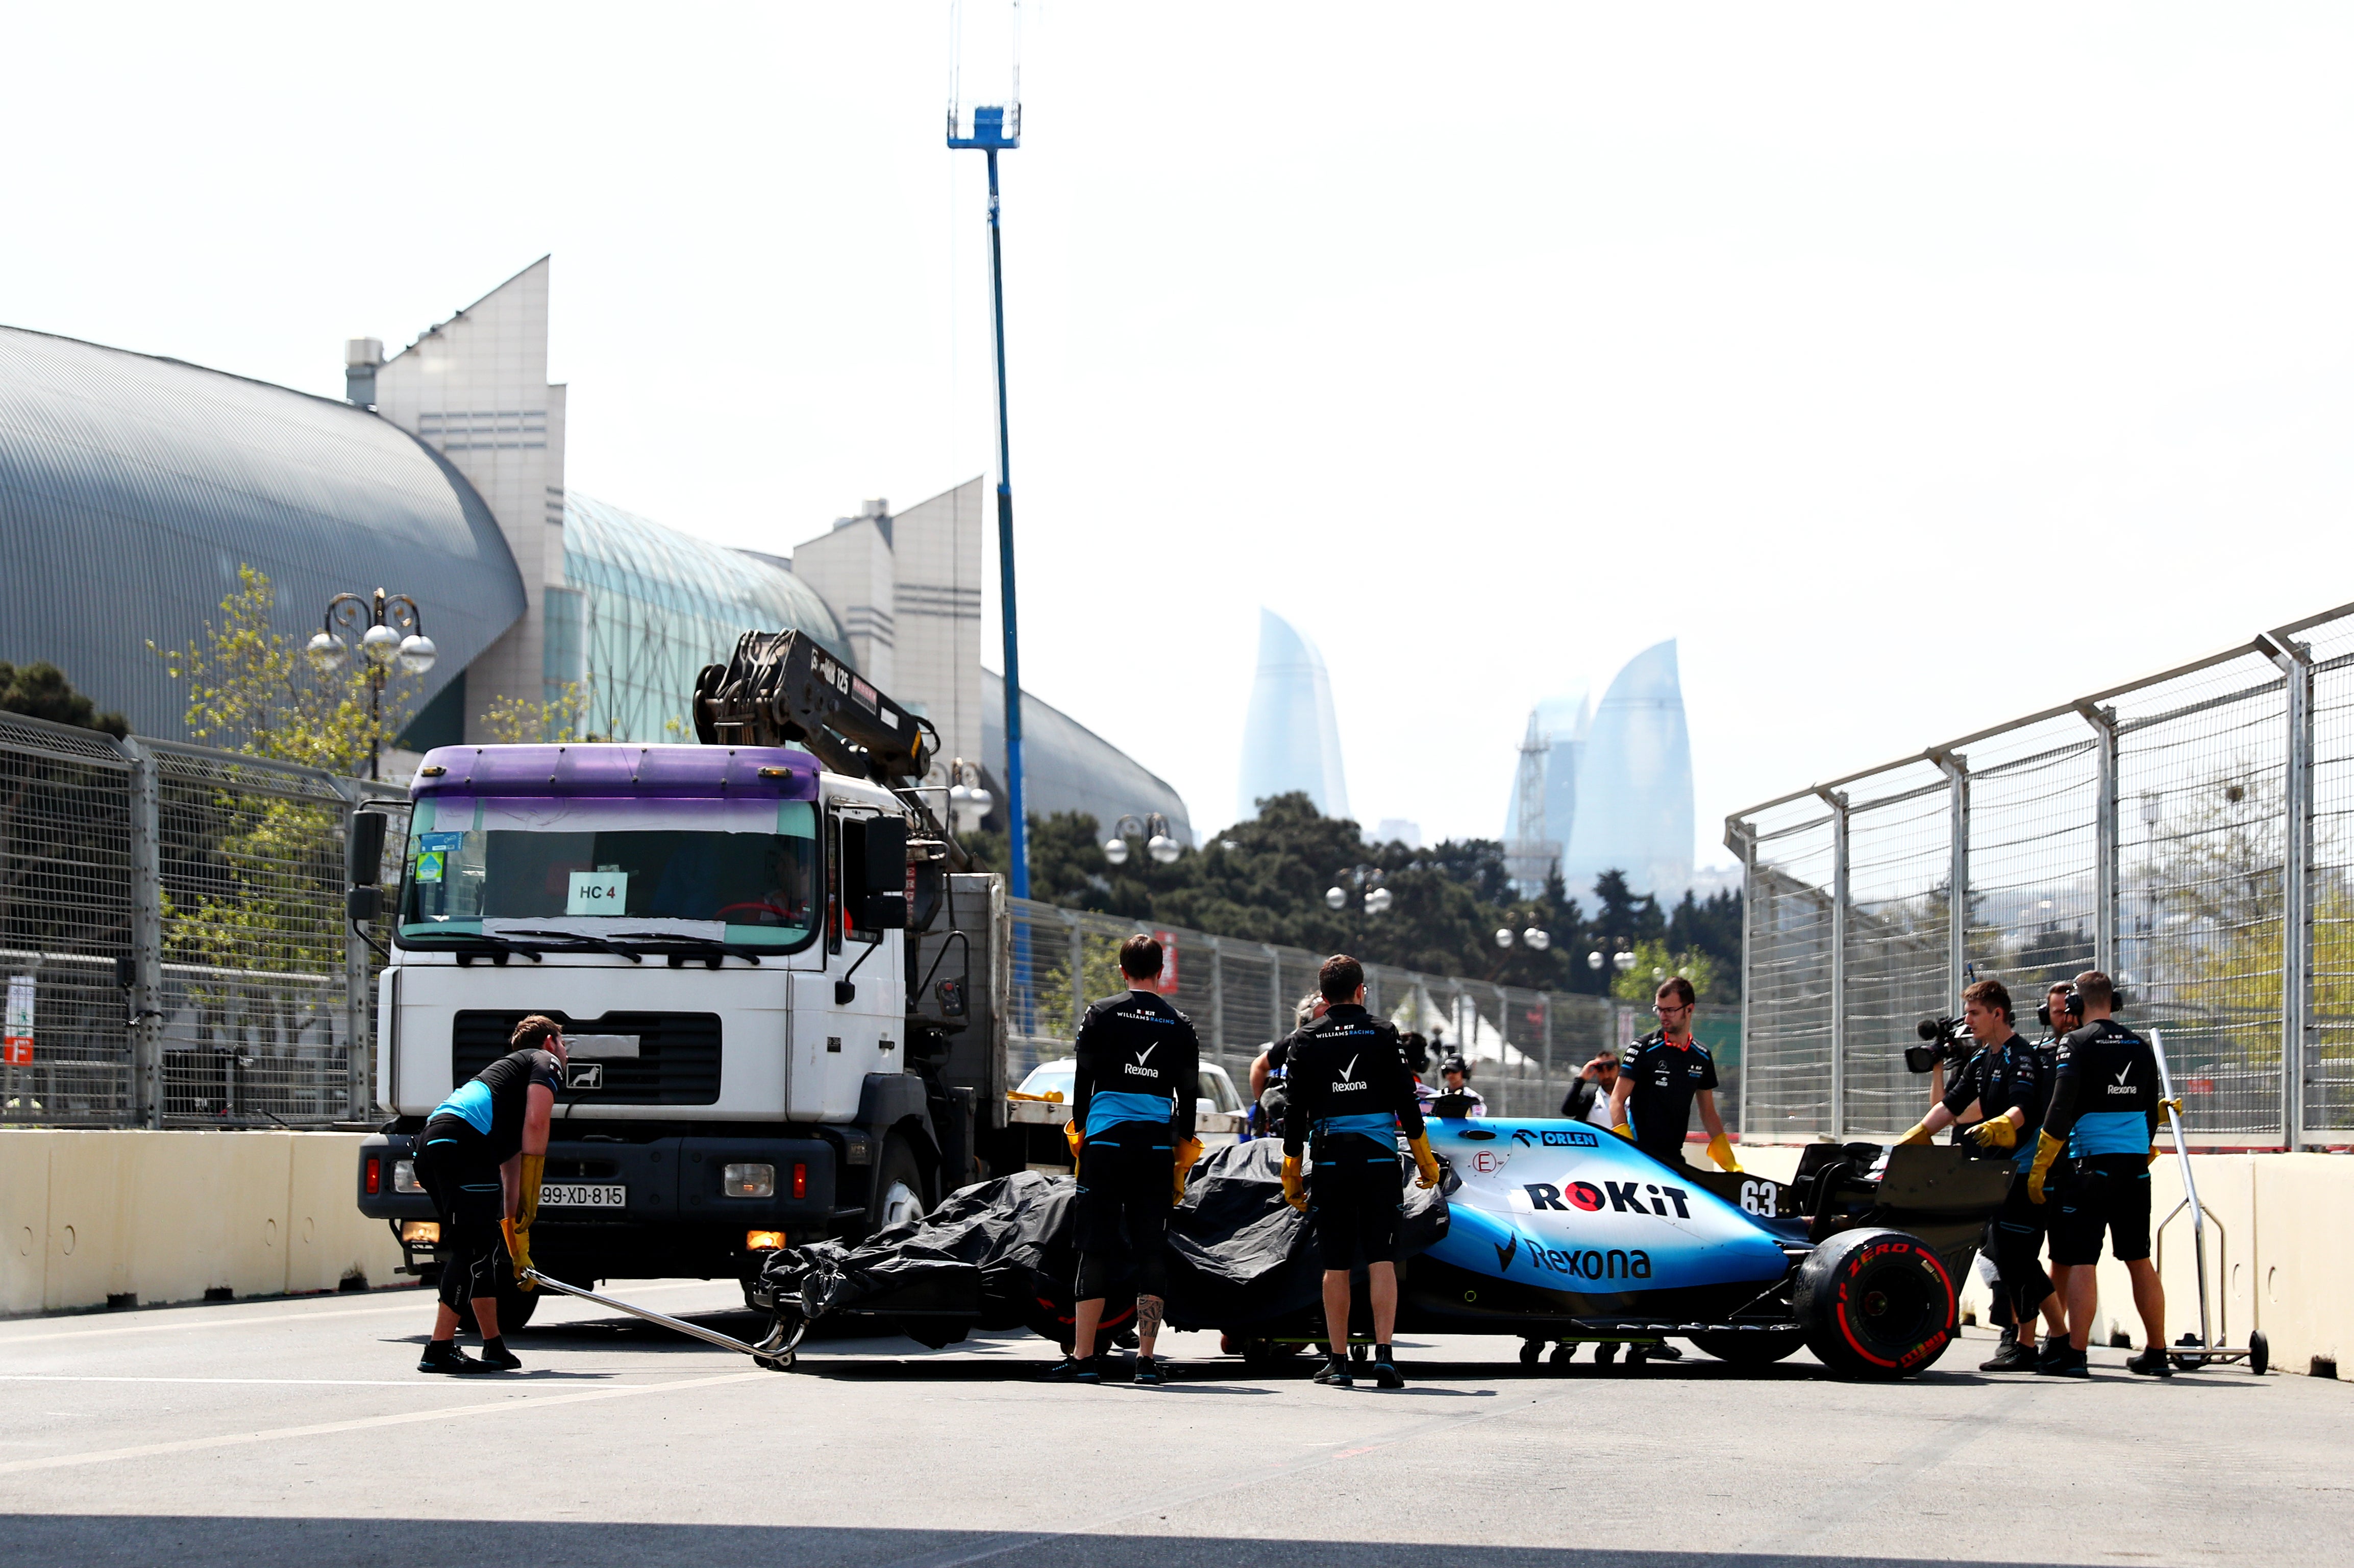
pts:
[2074, 1002]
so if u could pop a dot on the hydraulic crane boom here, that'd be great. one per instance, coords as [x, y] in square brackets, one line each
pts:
[780, 686]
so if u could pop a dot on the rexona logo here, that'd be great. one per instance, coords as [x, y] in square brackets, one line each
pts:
[1574, 1137]
[1623, 1197]
[1573, 1264]
[1139, 1070]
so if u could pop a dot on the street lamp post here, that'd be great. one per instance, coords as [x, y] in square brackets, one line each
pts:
[390, 630]
[1159, 843]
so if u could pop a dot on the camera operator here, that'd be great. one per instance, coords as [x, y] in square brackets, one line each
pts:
[1999, 1098]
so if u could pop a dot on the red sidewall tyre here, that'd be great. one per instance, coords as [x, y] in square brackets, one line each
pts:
[1876, 1305]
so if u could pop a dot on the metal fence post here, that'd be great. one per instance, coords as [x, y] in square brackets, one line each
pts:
[358, 1027]
[2295, 661]
[1838, 803]
[1544, 1046]
[1957, 874]
[146, 939]
[2105, 891]
[1278, 1015]
[1742, 840]
[1217, 998]
[1079, 972]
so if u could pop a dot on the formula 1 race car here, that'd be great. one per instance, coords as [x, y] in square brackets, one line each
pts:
[1553, 1232]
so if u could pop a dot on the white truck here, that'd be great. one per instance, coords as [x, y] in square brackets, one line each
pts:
[784, 1002]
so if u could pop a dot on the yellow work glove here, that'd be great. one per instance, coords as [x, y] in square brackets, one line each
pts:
[1425, 1162]
[1295, 1192]
[1995, 1132]
[1720, 1148]
[2047, 1150]
[1625, 1131]
[1918, 1133]
[1074, 1136]
[1188, 1151]
[534, 1172]
[519, 1249]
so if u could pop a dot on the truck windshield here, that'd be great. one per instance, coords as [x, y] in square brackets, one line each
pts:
[743, 872]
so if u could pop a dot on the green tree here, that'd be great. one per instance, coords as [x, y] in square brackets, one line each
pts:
[41, 690]
[1654, 964]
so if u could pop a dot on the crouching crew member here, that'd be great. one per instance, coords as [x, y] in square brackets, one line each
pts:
[1665, 1074]
[1998, 1099]
[1137, 1076]
[480, 1156]
[1351, 1095]
[2105, 1105]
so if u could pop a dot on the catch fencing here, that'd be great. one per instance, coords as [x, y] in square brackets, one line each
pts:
[1525, 1047]
[173, 936]
[2191, 833]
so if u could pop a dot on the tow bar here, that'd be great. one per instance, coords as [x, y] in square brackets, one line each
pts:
[2193, 1352]
[774, 1352]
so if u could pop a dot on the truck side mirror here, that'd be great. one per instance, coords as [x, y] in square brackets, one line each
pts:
[363, 850]
[882, 854]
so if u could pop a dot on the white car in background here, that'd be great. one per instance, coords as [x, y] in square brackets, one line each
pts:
[1217, 1108]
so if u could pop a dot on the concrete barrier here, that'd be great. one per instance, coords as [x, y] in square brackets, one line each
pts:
[2278, 1256]
[172, 1216]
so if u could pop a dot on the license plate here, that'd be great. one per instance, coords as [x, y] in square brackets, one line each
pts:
[582, 1196]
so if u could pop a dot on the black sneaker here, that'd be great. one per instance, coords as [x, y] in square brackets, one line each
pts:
[2151, 1362]
[1336, 1373]
[444, 1356]
[2013, 1357]
[1386, 1372]
[2068, 1362]
[497, 1357]
[1071, 1369]
[1149, 1371]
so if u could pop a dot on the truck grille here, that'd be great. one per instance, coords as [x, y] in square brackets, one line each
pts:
[677, 1062]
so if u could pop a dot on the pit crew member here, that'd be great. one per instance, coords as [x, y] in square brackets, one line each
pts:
[1665, 1073]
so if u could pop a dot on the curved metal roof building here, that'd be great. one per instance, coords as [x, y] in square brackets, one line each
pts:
[132, 488]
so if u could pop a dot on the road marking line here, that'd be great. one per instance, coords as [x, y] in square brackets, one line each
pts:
[218, 1320]
[327, 1428]
[264, 1382]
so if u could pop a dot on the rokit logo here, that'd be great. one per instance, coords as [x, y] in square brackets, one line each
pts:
[1622, 1196]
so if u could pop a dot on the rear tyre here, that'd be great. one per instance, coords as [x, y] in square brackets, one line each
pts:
[1875, 1305]
[2259, 1353]
[1752, 1349]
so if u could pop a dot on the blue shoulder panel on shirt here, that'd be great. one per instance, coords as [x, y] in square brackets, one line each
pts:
[471, 1102]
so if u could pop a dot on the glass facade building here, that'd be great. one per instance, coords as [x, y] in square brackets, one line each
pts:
[645, 608]
[1634, 799]
[1290, 739]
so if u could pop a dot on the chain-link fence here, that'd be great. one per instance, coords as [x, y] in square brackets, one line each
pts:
[1525, 1047]
[2191, 833]
[172, 936]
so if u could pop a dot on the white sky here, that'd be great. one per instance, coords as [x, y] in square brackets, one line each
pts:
[1859, 348]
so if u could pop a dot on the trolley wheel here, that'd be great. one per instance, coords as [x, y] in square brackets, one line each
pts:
[781, 1362]
[1361, 1354]
[1532, 1350]
[2260, 1352]
[1560, 1355]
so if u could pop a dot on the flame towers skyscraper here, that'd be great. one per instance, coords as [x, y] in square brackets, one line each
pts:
[1290, 740]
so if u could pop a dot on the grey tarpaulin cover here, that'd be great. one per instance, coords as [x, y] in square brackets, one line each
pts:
[999, 1254]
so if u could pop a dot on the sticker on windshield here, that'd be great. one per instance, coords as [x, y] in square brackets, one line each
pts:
[441, 843]
[597, 893]
[429, 865]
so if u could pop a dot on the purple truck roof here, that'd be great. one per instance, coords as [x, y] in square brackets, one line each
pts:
[621, 772]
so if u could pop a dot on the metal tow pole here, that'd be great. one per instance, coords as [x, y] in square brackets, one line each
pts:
[778, 1356]
[2256, 1351]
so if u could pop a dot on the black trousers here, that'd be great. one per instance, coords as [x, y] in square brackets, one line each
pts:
[454, 1163]
[2014, 1238]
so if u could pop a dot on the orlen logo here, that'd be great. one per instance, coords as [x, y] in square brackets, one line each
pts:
[1575, 1137]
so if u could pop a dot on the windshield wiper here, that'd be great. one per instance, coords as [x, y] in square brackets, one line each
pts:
[658, 940]
[497, 948]
[582, 939]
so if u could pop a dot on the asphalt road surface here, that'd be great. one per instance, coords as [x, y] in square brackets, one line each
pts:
[296, 1432]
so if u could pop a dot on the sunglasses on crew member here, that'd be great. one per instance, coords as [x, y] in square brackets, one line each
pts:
[1668, 1009]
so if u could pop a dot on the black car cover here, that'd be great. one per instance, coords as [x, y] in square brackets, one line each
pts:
[999, 1254]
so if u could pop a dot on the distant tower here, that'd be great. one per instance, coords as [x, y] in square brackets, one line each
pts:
[1290, 740]
[1635, 785]
[1529, 854]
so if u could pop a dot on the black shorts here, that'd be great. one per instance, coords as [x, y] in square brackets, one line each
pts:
[2108, 1192]
[1128, 1178]
[454, 1163]
[1355, 1190]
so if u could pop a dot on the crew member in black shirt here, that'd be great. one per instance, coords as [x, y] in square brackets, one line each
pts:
[1137, 1076]
[2105, 1108]
[480, 1156]
[1998, 1099]
[1663, 1075]
[1351, 1094]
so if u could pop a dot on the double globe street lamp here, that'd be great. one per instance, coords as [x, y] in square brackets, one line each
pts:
[394, 634]
[1155, 830]
[1536, 938]
[1365, 877]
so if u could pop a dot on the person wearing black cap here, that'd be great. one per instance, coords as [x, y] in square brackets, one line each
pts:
[1351, 1098]
[1456, 1097]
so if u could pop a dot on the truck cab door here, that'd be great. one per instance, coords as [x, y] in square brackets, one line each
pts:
[849, 1005]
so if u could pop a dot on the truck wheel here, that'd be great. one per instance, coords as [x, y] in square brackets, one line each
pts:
[1752, 1349]
[898, 1187]
[1875, 1303]
[515, 1303]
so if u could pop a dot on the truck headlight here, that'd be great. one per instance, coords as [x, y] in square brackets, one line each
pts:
[421, 1232]
[404, 1177]
[764, 1240]
[748, 1180]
